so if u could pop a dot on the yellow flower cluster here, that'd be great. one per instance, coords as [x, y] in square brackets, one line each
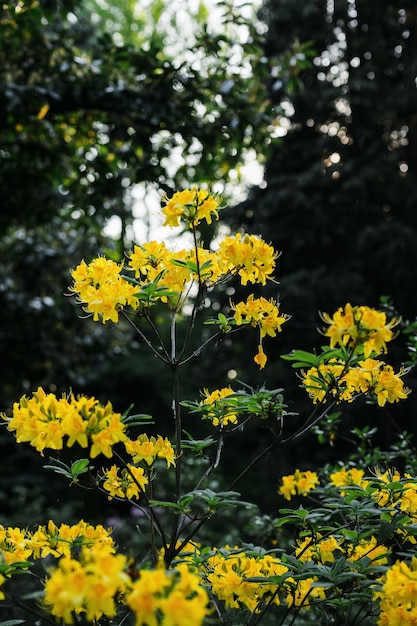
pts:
[91, 579]
[131, 481]
[299, 483]
[241, 581]
[370, 376]
[173, 270]
[401, 497]
[101, 288]
[263, 314]
[176, 596]
[321, 550]
[219, 413]
[228, 576]
[250, 256]
[359, 326]
[104, 292]
[126, 483]
[19, 545]
[88, 584]
[347, 477]
[398, 595]
[148, 449]
[389, 489]
[46, 421]
[191, 206]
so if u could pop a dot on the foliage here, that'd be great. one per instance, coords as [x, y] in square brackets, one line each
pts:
[348, 558]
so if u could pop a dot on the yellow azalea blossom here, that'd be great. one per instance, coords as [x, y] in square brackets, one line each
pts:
[59, 540]
[398, 595]
[174, 270]
[148, 449]
[88, 585]
[262, 314]
[371, 550]
[299, 483]
[260, 358]
[370, 376]
[176, 596]
[101, 288]
[220, 413]
[348, 476]
[14, 545]
[318, 549]
[129, 483]
[229, 578]
[304, 593]
[249, 256]
[46, 421]
[192, 206]
[359, 327]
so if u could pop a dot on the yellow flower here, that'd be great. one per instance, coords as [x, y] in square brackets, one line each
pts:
[190, 205]
[228, 578]
[359, 327]
[101, 288]
[249, 256]
[260, 358]
[147, 449]
[299, 483]
[328, 379]
[371, 550]
[170, 598]
[348, 476]
[398, 595]
[262, 314]
[304, 593]
[220, 412]
[308, 549]
[88, 585]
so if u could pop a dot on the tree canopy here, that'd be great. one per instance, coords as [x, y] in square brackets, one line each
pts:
[340, 191]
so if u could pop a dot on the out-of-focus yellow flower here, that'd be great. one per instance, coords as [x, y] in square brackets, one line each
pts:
[299, 483]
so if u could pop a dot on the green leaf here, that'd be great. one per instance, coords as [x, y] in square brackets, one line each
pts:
[301, 358]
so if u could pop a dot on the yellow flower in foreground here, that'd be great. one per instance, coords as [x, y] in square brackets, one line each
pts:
[175, 596]
[398, 595]
[89, 585]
